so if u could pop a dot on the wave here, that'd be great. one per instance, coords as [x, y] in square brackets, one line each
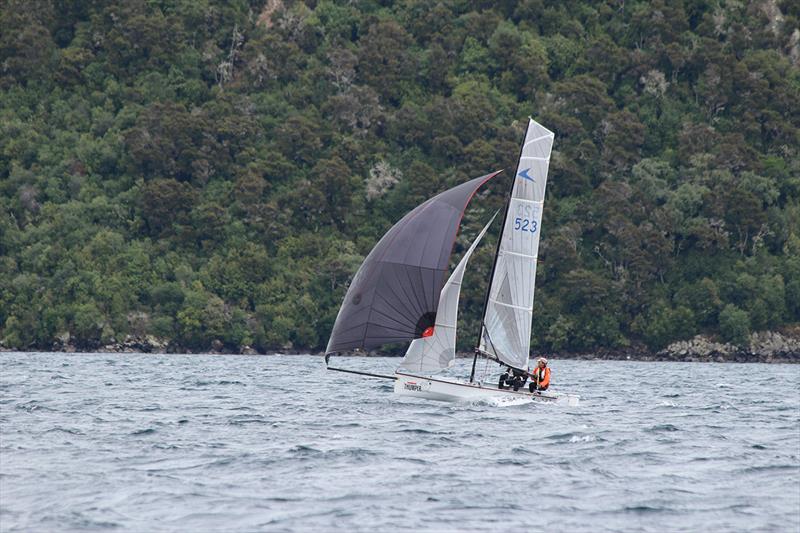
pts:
[241, 420]
[662, 427]
[769, 468]
[643, 509]
[71, 431]
[502, 402]
[32, 406]
[303, 458]
[421, 431]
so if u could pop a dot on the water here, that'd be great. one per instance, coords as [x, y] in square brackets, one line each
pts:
[136, 442]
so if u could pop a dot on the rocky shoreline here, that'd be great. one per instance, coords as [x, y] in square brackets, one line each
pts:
[764, 347]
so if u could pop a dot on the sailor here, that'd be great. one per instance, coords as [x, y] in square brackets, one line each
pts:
[540, 377]
[513, 378]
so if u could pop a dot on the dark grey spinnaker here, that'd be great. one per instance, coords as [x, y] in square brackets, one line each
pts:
[394, 295]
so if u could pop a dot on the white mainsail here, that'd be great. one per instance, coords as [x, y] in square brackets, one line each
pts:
[506, 329]
[438, 351]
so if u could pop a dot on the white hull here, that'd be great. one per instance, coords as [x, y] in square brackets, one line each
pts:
[458, 391]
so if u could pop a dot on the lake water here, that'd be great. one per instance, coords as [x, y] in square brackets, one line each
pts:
[136, 442]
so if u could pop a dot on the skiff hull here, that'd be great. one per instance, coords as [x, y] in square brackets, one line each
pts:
[458, 391]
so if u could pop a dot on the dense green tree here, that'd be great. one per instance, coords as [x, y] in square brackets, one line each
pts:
[214, 172]
[385, 61]
[734, 325]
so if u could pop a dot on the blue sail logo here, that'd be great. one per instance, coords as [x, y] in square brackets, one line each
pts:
[524, 174]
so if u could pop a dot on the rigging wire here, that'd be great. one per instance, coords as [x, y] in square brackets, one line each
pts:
[485, 369]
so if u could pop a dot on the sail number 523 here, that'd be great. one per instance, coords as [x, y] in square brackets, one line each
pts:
[524, 224]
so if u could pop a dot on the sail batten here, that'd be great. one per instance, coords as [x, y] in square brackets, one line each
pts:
[539, 139]
[524, 201]
[498, 302]
[518, 254]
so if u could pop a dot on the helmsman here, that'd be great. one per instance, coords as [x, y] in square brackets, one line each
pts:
[540, 377]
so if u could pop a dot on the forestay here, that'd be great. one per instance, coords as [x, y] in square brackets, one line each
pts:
[437, 351]
[506, 329]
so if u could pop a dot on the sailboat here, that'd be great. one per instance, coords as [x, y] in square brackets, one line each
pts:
[399, 294]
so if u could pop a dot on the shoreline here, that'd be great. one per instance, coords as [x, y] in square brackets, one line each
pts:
[791, 358]
[644, 358]
[764, 347]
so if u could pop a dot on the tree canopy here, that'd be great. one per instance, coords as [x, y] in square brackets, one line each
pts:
[215, 171]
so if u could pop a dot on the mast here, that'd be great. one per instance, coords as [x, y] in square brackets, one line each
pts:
[508, 306]
[494, 265]
[494, 262]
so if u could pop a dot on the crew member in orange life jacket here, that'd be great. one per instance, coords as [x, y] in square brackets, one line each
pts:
[540, 377]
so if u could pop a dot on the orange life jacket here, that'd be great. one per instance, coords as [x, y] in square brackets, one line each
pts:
[542, 377]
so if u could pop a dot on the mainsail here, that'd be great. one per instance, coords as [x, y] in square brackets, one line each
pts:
[506, 328]
[437, 351]
[395, 294]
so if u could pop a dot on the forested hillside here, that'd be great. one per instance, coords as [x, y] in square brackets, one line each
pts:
[215, 171]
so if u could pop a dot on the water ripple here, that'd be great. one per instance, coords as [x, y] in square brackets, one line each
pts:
[135, 442]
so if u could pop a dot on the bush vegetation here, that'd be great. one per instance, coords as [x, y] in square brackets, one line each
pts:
[201, 170]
